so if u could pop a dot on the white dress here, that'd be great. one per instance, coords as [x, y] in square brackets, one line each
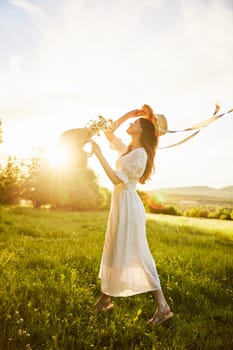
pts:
[127, 266]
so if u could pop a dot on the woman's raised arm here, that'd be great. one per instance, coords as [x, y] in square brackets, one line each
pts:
[132, 114]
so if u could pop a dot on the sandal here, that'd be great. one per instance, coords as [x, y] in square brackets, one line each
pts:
[161, 316]
[103, 304]
[100, 307]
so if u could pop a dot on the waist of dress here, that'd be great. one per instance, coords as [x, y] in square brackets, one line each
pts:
[131, 187]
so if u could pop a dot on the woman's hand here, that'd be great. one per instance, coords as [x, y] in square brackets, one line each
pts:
[95, 148]
[133, 114]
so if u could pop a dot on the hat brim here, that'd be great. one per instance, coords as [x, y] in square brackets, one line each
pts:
[162, 124]
[79, 135]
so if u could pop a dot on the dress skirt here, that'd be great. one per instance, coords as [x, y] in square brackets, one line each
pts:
[127, 266]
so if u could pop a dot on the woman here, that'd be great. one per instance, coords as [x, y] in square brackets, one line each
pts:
[127, 266]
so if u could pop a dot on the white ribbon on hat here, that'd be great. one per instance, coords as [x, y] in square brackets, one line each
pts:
[198, 126]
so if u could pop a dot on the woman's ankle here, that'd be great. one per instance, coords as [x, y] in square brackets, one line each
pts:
[105, 299]
[163, 307]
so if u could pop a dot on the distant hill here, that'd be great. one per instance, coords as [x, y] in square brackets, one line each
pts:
[196, 191]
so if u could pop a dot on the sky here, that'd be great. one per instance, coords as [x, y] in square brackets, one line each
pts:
[63, 63]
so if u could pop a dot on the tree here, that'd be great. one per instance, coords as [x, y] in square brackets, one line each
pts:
[72, 188]
[10, 179]
[10, 182]
[105, 198]
[35, 185]
[77, 190]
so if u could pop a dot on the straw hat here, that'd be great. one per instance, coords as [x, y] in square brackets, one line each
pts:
[75, 137]
[162, 124]
[159, 120]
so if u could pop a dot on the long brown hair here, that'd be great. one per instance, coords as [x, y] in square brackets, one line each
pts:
[149, 141]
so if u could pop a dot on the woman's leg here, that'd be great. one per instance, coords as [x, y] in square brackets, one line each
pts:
[159, 299]
[104, 303]
[104, 299]
[163, 312]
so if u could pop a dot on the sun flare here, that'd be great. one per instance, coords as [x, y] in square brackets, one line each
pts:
[57, 155]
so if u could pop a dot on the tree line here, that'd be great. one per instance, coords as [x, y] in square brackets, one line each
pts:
[36, 182]
[75, 187]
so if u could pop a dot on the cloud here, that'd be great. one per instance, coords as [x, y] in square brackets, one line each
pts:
[33, 11]
[27, 6]
[159, 53]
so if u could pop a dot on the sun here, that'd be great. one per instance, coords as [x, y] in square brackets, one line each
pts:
[57, 155]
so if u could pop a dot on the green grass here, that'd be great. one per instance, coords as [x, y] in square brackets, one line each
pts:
[49, 265]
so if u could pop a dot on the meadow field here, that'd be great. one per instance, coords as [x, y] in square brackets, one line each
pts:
[49, 263]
